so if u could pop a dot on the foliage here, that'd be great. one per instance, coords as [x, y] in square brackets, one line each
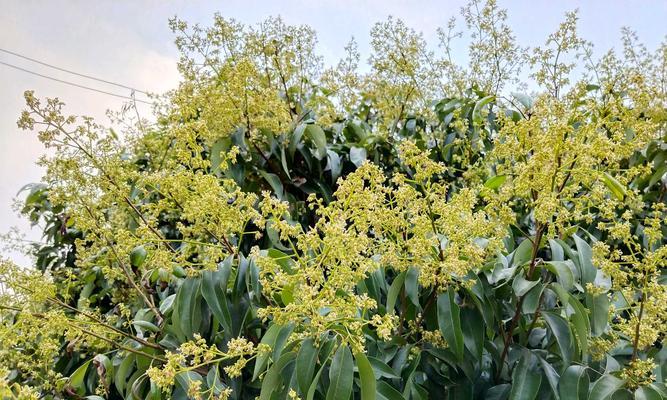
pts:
[289, 231]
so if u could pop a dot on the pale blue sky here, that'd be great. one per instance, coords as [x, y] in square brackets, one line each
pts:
[129, 42]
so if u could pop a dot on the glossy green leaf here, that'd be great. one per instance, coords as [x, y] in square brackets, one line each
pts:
[585, 255]
[525, 380]
[319, 138]
[495, 182]
[563, 272]
[614, 186]
[76, 380]
[306, 361]
[599, 312]
[449, 321]
[341, 375]
[394, 291]
[574, 383]
[138, 256]
[366, 377]
[386, 392]
[273, 379]
[522, 286]
[269, 338]
[605, 387]
[561, 330]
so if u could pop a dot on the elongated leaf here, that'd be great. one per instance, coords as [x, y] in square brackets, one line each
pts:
[525, 380]
[563, 272]
[77, 377]
[214, 292]
[599, 312]
[275, 183]
[614, 186]
[380, 369]
[479, 105]
[648, 393]
[306, 361]
[574, 383]
[341, 375]
[498, 392]
[316, 379]
[561, 330]
[551, 375]
[296, 139]
[386, 392]
[449, 321]
[187, 304]
[123, 372]
[581, 325]
[366, 377]
[605, 387]
[319, 138]
[394, 290]
[273, 379]
[269, 339]
[495, 182]
[521, 285]
[584, 255]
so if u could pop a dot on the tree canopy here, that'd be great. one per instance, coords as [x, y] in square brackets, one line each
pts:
[414, 228]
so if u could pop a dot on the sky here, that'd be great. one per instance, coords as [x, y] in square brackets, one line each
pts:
[129, 42]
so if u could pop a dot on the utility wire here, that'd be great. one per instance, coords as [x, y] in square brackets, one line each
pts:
[72, 72]
[74, 84]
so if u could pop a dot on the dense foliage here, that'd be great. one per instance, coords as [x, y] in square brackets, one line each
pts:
[419, 230]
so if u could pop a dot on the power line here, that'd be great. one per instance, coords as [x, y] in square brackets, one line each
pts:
[73, 84]
[72, 72]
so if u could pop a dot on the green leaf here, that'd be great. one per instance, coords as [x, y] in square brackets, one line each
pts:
[599, 312]
[522, 286]
[394, 290]
[614, 186]
[449, 321]
[146, 326]
[552, 376]
[275, 183]
[188, 313]
[498, 392]
[524, 99]
[296, 139]
[574, 383]
[495, 182]
[584, 255]
[581, 325]
[605, 387]
[306, 361]
[270, 338]
[341, 375]
[138, 256]
[313, 385]
[386, 392]
[214, 292]
[522, 253]
[479, 105]
[357, 155]
[648, 393]
[472, 326]
[273, 379]
[123, 372]
[77, 377]
[382, 370]
[563, 272]
[319, 138]
[561, 330]
[525, 380]
[366, 377]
